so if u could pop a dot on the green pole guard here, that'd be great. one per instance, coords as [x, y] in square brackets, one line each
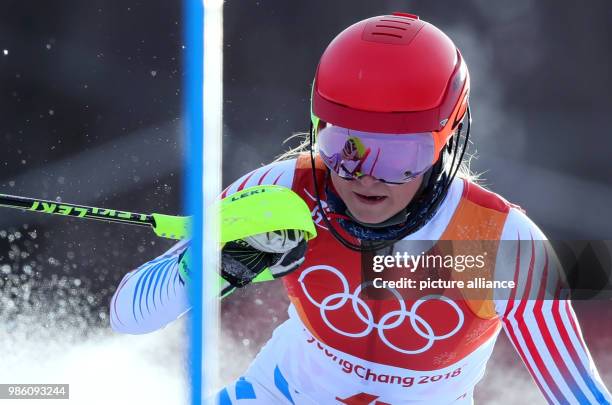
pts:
[248, 212]
[172, 227]
[254, 210]
[261, 209]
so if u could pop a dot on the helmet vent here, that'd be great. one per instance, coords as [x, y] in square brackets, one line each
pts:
[391, 30]
[387, 34]
[396, 21]
[392, 27]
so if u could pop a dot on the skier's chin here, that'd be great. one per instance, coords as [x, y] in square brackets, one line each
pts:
[371, 201]
[370, 213]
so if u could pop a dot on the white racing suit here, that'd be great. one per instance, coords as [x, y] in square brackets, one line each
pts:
[341, 348]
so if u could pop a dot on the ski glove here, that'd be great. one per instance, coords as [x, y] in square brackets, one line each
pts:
[280, 252]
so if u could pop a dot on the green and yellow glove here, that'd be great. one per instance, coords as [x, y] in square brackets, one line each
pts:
[280, 252]
[264, 234]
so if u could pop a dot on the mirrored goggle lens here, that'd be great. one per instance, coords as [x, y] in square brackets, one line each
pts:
[392, 158]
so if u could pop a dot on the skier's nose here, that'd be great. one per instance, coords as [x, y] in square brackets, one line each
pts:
[367, 181]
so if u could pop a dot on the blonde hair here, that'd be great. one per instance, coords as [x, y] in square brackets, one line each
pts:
[303, 147]
[463, 172]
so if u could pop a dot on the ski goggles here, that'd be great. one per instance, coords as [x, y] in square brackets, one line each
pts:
[390, 158]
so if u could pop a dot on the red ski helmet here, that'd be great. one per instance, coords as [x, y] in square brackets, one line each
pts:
[393, 74]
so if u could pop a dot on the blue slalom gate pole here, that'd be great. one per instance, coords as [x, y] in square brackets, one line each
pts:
[203, 64]
[193, 20]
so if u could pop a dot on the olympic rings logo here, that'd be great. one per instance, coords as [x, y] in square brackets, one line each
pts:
[335, 301]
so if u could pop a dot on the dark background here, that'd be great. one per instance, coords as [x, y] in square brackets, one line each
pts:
[540, 98]
[90, 113]
[90, 107]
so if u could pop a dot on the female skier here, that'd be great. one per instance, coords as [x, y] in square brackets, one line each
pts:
[390, 123]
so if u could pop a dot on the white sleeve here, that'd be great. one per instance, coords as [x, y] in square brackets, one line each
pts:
[151, 296]
[539, 322]
[277, 173]
[154, 294]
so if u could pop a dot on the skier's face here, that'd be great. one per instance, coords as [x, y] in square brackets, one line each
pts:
[371, 201]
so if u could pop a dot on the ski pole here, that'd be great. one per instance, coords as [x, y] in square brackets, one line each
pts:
[166, 226]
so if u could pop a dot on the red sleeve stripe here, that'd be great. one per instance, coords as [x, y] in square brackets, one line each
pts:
[514, 339]
[580, 355]
[582, 380]
[572, 318]
[241, 186]
[509, 319]
[278, 178]
[235, 187]
[224, 193]
[528, 338]
[549, 350]
[547, 337]
[264, 176]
